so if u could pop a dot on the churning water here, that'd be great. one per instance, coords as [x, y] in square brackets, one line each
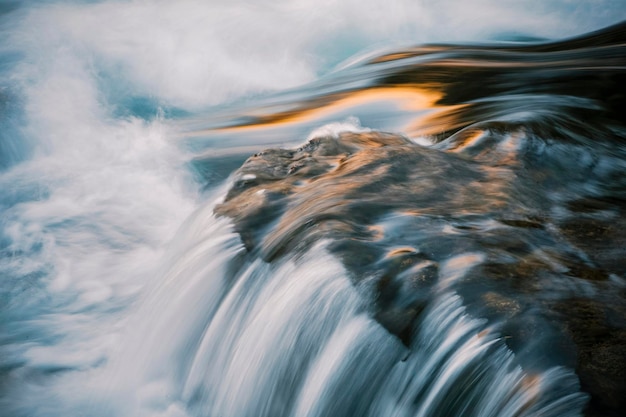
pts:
[437, 231]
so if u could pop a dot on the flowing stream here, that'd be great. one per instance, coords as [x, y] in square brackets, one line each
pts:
[267, 209]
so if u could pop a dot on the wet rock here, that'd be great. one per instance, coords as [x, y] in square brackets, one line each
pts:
[599, 331]
[533, 254]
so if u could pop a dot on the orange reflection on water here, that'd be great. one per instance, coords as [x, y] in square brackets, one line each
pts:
[405, 98]
[444, 119]
[404, 250]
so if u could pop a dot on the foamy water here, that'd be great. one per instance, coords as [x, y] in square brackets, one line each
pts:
[120, 293]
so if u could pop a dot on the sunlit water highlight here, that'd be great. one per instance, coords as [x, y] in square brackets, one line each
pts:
[121, 292]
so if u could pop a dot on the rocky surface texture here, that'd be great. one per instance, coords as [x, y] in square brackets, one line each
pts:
[518, 205]
[493, 214]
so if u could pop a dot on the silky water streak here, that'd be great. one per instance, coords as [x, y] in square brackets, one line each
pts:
[143, 273]
[225, 334]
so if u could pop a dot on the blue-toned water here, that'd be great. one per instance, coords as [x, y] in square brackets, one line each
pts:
[144, 273]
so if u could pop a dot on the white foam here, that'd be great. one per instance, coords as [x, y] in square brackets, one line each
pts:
[103, 195]
[193, 53]
[351, 124]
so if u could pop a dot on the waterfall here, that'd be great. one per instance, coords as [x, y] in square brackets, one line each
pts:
[227, 334]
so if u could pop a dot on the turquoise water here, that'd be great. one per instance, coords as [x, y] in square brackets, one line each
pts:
[122, 294]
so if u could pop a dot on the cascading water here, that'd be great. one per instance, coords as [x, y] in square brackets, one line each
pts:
[221, 335]
[435, 230]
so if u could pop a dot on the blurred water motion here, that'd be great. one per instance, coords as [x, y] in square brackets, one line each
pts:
[505, 187]
[427, 231]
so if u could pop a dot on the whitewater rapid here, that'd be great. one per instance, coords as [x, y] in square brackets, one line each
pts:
[121, 291]
[219, 335]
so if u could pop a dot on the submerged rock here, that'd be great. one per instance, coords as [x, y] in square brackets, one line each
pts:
[533, 248]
